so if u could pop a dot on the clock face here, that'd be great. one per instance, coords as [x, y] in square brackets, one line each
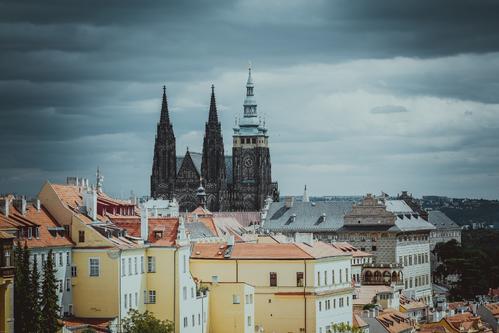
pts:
[248, 162]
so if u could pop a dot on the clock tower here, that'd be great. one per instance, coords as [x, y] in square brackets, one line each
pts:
[251, 157]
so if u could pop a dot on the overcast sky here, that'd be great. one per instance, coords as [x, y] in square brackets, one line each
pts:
[359, 96]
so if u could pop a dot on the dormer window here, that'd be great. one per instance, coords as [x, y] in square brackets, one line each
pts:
[30, 232]
[322, 218]
[37, 232]
[158, 234]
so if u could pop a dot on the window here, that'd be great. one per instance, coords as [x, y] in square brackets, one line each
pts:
[81, 236]
[400, 260]
[61, 260]
[136, 299]
[340, 302]
[193, 321]
[126, 301]
[68, 260]
[43, 258]
[184, 293]
[251, 299]
[184, 264]
[320, 306]
[129, 266]
[68, 284]
[192, 292]
[405, 260]
[152, 296]
[332, 275]
[249, 320]
[299, 279]
[94, 266]
[199, 319]
[61, 285]
[30, 233]
[185, 321]
[347, 278]
[135, 265]
[410, 260]
[123, 268]
[325, 278]
[348, 301]
[318, 278]
[334, 303]
[273, 279]
[235, 299]
[37, 232]
[151, 264]
[341, 277]
[142, 264]
[73, 271]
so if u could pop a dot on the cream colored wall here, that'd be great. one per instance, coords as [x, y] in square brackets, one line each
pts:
[257, 272]
[48, 197]
[96, 296]
[225, 316]
[205, 269]
[92, 237]
[281, 314]
[162, 281]
[6, 302]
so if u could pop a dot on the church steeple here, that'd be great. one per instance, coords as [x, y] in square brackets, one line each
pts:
[213, 116]
[213, 160]
[250, 101]
[164, 164]
[165, 116]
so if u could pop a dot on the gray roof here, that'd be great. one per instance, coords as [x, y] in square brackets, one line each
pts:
[198, 230]
[307, 216]
[196, 159]
[441, 221]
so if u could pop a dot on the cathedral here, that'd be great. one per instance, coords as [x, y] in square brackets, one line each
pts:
[240, 182]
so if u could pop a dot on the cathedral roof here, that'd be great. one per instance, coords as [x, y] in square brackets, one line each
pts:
[196, 159]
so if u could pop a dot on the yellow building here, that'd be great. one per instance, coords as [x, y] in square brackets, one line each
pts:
[299, 287]
[108, 275]
[232, 308]
[6, 282]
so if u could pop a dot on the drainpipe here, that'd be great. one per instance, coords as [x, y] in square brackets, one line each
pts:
[175, 289]
[304, 295]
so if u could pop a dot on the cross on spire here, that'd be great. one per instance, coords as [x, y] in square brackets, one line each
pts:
[165, 116]
[213, 115]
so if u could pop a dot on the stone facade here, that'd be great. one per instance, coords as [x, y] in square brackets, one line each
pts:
[239, 182]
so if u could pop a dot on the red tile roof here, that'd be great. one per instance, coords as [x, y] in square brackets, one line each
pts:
[347, 247]
[36, 218]
[264, 251]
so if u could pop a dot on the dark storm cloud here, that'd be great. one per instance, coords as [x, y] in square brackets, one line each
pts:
[80, 80]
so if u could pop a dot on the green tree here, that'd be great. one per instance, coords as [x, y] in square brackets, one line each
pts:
[50, 309]
[137, 322]
[34, 311]
[21, 288]
[343, 328]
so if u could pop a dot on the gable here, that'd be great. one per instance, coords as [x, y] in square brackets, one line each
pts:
[188, 169]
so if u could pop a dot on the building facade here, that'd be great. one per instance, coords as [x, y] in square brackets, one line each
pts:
[299, 287]
[238, 182]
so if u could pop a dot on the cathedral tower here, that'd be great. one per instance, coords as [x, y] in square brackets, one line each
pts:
[164, 167]
[213, 161]
[251, 157]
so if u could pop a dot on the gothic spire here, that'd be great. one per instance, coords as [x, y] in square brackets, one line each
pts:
[165, 117]
[213, 116]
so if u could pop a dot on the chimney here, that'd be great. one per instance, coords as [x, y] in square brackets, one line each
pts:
[230, 240]
[37, 204]
[20, 204]
[90, 203]
[5, 205]
[288, 202]
[144, 223]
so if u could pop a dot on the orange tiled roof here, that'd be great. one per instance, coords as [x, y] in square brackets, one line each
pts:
[463, 321]
[97, 324]
[244, 218]
[264, 251]
[162, 230]
[36, 218]
[394, 321]
[493, 308]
